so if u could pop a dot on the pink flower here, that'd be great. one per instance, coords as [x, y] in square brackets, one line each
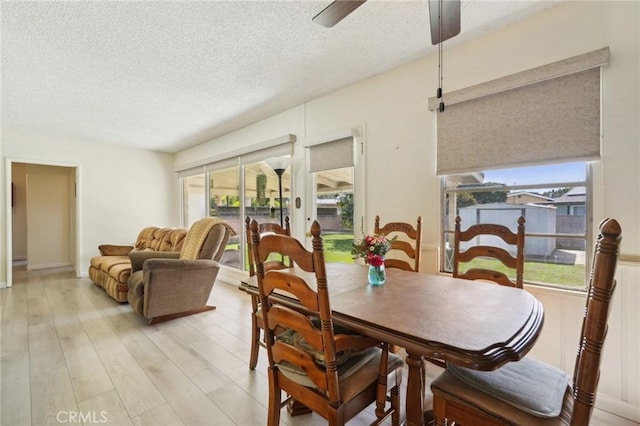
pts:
[372, 248]
[375, 260]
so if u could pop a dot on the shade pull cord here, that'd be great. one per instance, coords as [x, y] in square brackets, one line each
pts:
[440, 64]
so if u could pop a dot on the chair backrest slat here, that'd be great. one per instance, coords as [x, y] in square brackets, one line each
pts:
[408, 243]
[516, 262]
[263, 228]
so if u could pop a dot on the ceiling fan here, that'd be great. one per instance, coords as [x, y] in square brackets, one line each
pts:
[444, 16]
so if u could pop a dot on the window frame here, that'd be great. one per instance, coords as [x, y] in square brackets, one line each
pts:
[588, 235]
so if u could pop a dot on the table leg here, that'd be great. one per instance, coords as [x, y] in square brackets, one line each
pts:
[415, 389]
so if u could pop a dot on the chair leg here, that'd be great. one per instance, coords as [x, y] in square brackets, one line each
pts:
[381, 388]
[439, 409]
[255, 334]
[275, 399]
[336, 417]
[395, 405]
[255, 342]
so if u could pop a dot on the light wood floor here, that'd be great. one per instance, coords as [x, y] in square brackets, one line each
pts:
[70, 350]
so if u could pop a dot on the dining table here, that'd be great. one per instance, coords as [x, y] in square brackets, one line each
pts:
[474, 324]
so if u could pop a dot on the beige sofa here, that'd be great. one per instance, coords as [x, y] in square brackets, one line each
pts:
[112, 269]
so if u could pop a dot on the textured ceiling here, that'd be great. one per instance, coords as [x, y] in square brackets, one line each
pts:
[169, 75]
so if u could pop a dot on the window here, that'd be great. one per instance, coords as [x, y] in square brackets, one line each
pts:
[510, 123]
[555, 201]
[262, 195]
[233, 192]
[237, 184]
[193, 205]
[224, 203]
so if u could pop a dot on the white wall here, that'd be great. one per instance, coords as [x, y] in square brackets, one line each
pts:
[400, 153]
[120, 190]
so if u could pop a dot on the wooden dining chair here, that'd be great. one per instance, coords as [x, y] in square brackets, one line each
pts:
[405, 250]
[330, 370]
[257, 323]
[529, 392]
[477, 252]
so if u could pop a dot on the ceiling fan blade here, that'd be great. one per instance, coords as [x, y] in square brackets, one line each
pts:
[336, 12]
[450, 19]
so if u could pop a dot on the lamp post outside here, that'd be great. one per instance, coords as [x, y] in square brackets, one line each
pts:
[279, 165]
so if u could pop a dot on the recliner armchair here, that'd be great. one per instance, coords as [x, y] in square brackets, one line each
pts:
[168, 285]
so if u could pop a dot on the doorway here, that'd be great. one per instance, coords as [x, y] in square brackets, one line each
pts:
[334, 211]
[336, 191]
[42, 221]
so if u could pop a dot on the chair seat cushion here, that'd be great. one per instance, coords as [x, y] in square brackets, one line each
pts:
[529, 385]
[354, 375]
[345, 369]
[292, 338]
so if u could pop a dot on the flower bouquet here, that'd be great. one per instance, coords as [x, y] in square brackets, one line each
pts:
[373, 248]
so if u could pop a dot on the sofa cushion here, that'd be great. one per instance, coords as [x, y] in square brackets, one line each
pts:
[144, 237]
[175, 239]
[105, 263]
[136, 283]
[114, 250]
[157, 238]
[121, 272]
[135, 295]
[214, 245]
[197, 236]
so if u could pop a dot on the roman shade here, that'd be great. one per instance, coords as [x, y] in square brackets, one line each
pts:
[255, 154]
[544, 115]
[192, 171]
[335, 154]
[276, 147]
[281, 150]
[221, 164]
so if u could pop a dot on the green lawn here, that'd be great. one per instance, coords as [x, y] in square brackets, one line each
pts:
[548, 273]
[338, 249]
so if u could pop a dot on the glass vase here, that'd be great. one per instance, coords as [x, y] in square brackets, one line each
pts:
[377, 274]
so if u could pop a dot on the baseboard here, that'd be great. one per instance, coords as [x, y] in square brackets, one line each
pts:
[31, 267]
[3, 284]
[231, 275]
[618, 407]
